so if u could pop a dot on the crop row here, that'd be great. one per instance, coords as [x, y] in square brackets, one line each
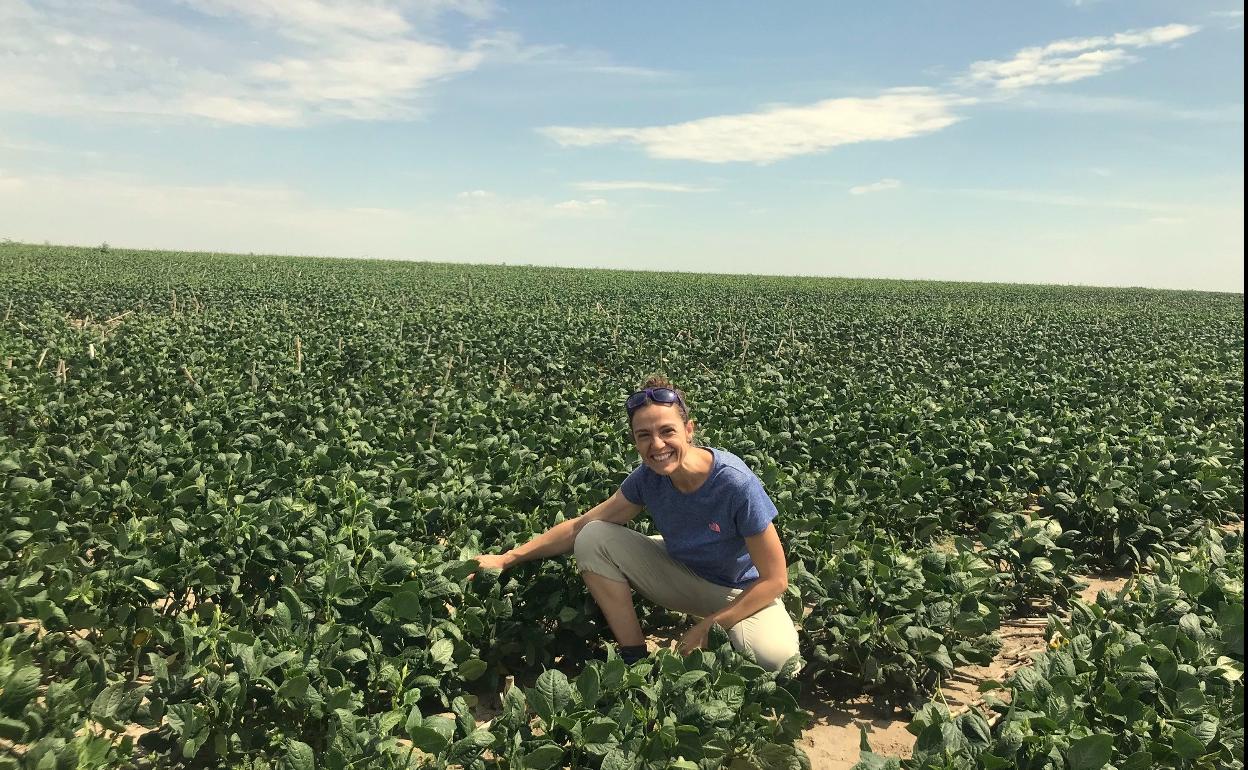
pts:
[1152, 677]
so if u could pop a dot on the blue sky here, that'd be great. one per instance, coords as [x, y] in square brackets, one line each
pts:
[1093, 142]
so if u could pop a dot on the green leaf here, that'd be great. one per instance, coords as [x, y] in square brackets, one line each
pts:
[1091, 752]
[1140, 760]
[428, 740]
[294, 688]
[1186, 744]
[298, 756]
[472, 668]
[472, 745]
[414, 720]
[545, 756]
[589, 685]
[939, 659]
[869, 761]
[551, 695]
[106, 704]
[442, 651]
[1193, 583]
[19, 690]
[616, 759]
[154, 589]
[406, 605]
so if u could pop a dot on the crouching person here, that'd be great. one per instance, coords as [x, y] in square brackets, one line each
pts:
[717, 556]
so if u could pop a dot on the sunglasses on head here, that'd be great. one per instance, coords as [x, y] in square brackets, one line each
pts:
[656, 395]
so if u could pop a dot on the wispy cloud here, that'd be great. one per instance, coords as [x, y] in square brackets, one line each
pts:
[1047, 198]
[781, 132]
[131, 210]
[1144, 108]
[778, 132]
[354, 59]
[581, 206]
[1233, 19]
[610, 186]
[880, 186]
[1071, 59]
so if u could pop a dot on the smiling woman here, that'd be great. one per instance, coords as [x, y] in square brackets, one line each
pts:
[717, 556]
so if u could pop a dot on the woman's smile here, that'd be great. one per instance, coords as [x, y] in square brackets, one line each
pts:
[663, 456]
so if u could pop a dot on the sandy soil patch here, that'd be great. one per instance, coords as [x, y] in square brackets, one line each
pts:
[832, 741]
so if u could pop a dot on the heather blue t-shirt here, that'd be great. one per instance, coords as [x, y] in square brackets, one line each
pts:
[706, 529]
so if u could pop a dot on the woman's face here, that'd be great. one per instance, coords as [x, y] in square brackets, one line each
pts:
[662, 437]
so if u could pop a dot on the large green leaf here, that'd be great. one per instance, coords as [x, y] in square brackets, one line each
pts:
[1091, 752]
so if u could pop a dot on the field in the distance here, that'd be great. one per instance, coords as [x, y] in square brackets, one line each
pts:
[239, 492]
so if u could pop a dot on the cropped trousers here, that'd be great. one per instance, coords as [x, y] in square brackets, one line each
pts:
[627, 556]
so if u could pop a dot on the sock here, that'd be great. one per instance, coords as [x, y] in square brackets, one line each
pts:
[631, 655]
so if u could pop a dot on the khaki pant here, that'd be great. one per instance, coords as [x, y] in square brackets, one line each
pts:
[627, 556]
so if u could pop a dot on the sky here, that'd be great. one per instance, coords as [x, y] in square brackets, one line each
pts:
[1094, 142]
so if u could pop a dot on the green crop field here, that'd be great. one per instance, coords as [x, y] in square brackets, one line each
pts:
[240, 495]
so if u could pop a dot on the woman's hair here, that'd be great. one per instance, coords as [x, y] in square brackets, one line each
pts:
[660, 381]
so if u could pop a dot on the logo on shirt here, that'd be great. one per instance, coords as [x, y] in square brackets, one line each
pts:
[714, 526]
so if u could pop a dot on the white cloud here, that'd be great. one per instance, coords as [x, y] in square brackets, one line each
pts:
[581, 206]
[610, 186]
[1047, 198]
[1144, 108]
[880, 186]
[781, 132]
[1234, 19]
[475, 195]
[1065, 61]
[261, 62]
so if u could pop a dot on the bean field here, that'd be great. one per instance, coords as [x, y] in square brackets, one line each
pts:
[240, 497]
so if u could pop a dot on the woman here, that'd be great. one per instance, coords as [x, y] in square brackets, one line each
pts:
[717, 556]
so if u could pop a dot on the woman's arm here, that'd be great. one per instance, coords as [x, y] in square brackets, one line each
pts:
[560, 538]
[773, 579]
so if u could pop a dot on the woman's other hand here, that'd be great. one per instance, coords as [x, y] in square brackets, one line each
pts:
[697, 637]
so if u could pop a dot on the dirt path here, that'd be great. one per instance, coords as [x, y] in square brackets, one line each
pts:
[832, 742]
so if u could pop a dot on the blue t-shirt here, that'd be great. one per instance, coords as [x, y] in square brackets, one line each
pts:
[706, 529]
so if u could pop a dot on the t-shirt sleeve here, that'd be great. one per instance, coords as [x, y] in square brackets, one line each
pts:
[755, 509]
[632, 486]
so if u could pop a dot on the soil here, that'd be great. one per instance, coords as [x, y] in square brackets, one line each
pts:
[832, 741]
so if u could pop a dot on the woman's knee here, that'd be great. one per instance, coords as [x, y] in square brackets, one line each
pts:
[773, 654]
[772, 640]
[591, 538]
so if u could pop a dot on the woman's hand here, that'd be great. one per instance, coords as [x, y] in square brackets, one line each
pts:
[697, 637]
[493, 561]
